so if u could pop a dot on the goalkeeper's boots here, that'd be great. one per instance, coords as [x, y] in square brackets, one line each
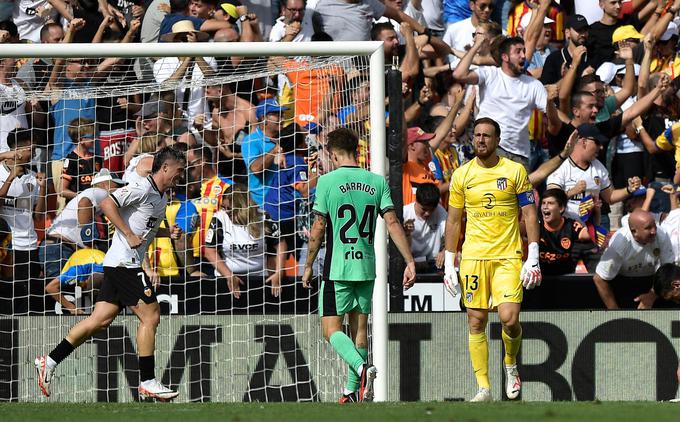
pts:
[45, 374]
[152, 389]
[513, 384]
[349, 398]
[367, 382]
[482, 395]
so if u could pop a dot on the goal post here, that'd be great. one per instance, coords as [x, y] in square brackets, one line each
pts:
[373, 51]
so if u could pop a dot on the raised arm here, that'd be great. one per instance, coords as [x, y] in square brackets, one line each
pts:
[462, 72]
[628, 86]
[401, 17]
[410, 65]
[569, 80]
[643, 79]
[643, 104]
[445, 126]
[533, 30]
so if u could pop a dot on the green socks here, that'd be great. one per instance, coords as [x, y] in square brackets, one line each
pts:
[344, 347]
[352, 377]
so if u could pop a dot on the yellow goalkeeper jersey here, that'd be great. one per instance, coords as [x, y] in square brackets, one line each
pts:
[492, 198]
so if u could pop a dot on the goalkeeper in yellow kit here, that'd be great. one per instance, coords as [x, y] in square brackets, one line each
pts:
[491, 190]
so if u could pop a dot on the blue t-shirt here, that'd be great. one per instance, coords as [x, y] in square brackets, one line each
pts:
[63, 112]
[173, 18]
[457, 10]
[254, 146]
[185, 216]
[280, 199]
[79, 274]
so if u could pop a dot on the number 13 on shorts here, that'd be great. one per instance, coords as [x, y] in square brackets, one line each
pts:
[488, 283]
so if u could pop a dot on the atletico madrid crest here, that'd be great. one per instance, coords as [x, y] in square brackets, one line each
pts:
[502, 183]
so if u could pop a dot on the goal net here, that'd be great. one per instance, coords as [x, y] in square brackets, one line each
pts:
[253, 120]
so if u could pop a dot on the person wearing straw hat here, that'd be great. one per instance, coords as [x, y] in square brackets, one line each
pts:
[180, 11]
[187, 71]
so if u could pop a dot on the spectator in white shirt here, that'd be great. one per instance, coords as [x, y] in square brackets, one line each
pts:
[623, 277]
[460, 35]
[582, 174]
[506, 94]
[22, 196]
[424, 222]
[187, 71]
[295, 24]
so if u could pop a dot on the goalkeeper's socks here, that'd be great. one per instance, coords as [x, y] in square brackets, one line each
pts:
[147, 368]
[479, 355]
[352, 378]
[59, 353]
[511, 346]
[344, 347]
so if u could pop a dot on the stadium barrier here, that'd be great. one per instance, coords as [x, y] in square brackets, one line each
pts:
[566, 355]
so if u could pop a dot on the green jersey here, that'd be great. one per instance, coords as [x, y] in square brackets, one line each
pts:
[350, 199]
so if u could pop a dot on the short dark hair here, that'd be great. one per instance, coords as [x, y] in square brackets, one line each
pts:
[378, 28]
[506, 44]
[559, 195]
[489, 121]
[19, 137]
[427, 195]
[291, 138]
[178, 6]
[10, 27]
[321, 36]
[587, 80]
[343, 139]
[168, 153]
[578, 97]
[664, 277]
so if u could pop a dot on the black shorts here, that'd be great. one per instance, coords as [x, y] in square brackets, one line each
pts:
[126, 287]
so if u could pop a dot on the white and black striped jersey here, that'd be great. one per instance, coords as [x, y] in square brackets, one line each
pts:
[17, 208]
[12, 111]
[142, 207]
[243, 254]
[131, 176]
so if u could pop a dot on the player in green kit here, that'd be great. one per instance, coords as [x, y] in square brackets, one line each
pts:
[348, 201]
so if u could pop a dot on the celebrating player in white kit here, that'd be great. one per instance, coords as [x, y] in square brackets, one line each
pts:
[136, 211]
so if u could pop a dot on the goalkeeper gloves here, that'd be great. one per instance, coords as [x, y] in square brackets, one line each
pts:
[531, 271]
[451, 275]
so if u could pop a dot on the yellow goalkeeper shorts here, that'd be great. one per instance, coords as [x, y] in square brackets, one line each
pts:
[488, 283]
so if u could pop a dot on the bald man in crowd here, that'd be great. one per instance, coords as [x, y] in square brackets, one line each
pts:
[624, 275]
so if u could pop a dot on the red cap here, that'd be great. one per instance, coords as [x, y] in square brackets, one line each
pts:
[416, 134]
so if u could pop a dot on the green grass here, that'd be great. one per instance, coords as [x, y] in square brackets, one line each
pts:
[301, 412]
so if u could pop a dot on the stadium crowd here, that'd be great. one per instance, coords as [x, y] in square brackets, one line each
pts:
[585, 93]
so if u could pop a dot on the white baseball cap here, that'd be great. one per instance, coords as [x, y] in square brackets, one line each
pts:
[608, 70]
[104, 175]
[671, 29]
[524, 22]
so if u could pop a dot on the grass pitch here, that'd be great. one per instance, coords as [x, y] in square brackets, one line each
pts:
[301, 412]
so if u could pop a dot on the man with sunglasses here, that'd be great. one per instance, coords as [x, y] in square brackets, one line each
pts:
[582, 174]
[461, 34]
[294, 24]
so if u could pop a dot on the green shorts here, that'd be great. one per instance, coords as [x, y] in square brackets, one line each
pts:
[338, 298]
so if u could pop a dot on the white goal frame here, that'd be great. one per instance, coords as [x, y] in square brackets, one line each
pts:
[378, 139]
